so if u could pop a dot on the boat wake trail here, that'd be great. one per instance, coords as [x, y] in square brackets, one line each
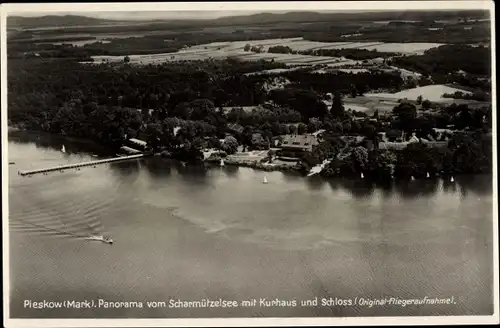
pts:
[37, 228]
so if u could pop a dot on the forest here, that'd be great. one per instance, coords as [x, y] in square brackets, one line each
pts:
[449, 59]
[179, 108]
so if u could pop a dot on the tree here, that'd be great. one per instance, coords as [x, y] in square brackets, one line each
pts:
[153, 135]
[314, 124]
[126, 59]
[426, 104]
[419, 100]
[202, 109]
[361, 89]
[337, 109]
[346, 127]
[230, 145]
[381, 163]
[301, 128]
[308, 103]
[406, 113]
[182, 110]
[247, 47]
[354, 91]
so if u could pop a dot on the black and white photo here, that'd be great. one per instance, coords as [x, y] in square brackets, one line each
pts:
[284, 163]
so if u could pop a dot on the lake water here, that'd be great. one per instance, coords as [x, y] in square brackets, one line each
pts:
[191, 233]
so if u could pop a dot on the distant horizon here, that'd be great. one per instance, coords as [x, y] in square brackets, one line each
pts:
[187, 14]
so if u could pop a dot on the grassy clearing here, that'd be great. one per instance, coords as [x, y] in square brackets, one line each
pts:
[430, 92]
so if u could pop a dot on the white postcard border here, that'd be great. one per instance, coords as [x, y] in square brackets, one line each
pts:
[10, 9]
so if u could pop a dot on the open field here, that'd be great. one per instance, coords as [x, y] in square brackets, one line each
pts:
[368, 105]
[413, 48]
[430, 92]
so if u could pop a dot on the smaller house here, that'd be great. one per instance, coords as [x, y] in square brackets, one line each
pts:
[236, 128]
[392, 145]
[130, 151]
[138, 144]
[319, 132]
[434, 144]
[150, 111]
[394, 135]
[353, 139]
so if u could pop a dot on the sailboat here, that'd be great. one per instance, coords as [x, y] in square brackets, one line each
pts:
[412, 178]
[221, 162]
[265, 180]
[63, 149]
[452, 179]
[428, 175]
[362, 175]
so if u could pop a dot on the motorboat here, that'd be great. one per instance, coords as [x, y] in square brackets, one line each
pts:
[106, 240]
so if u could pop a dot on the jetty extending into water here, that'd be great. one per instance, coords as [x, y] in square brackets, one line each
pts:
[78, 165]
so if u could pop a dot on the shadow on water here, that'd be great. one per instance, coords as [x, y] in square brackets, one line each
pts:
[292, 176]
[357, 187]
[193, 173]
[48, 141]
[315, 182]
[232, 170]
[158, 167]
[478, 184]
[126, 167]
[417, 188]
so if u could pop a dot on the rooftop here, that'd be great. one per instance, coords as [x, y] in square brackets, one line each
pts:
[137, 141]
[304, 142]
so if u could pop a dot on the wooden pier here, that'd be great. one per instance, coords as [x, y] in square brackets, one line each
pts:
[78, 165]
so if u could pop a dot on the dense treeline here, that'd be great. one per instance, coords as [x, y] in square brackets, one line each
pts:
[449, 59]
[344, 81]
[281, 50]
[354, 54]
[455, 34]
[62, 96]
[464, 65]
[465, 154]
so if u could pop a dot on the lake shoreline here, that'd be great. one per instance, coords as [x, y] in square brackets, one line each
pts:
[254, 164]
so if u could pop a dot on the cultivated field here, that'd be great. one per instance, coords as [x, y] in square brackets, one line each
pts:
[219, 50]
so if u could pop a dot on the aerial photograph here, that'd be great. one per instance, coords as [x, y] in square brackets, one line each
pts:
[249, 164]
